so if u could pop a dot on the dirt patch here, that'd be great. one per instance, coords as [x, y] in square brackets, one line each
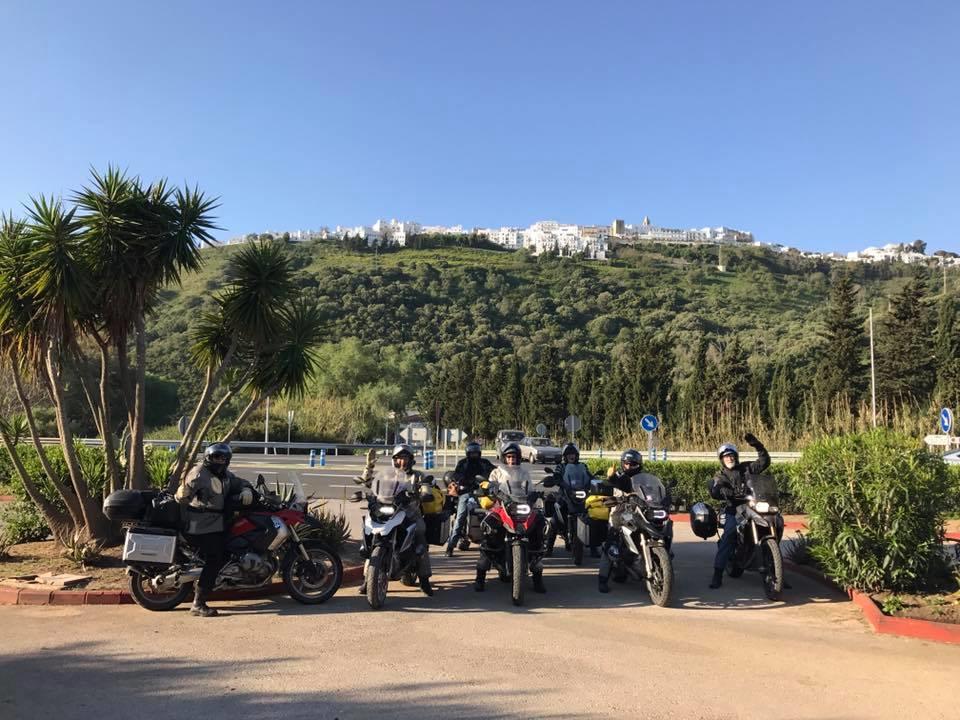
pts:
[937, 607]
[106, 572]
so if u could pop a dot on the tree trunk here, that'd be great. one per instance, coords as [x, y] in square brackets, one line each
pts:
[114, 479]
[60, 523]
[195, 448]
[69, 498]
[212, 380]
[96, 524]
[136, 475]
[126, 386]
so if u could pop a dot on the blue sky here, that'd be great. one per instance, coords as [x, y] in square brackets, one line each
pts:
[827, 126]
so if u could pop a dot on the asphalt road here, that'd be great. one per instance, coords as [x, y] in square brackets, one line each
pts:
[572, 653]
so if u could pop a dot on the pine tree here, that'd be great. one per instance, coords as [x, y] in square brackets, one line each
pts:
[905, 349]
[544, 398]
[842, 366]
[511, 395]
[948, 353]
[734, 373]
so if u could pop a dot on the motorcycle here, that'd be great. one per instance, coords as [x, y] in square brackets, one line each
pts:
[273, 535]
[568, 508]
[759, 531]
[471, 532]
[639, 534]
[519, 519]
[388, 536]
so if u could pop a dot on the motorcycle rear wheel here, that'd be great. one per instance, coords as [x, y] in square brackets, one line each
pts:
[312, 586]
[519, 573]
[772, 568]
[660, 582]
[149, 599]
[377, 578]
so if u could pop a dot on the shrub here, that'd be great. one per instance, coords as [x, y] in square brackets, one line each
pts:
[22, 523]
[876, 503]
[158, 461]
[334, 530]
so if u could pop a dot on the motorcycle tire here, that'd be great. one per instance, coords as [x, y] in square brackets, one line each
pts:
[772, 568]
[660, 585]
[519, 573]
[576, 549]
[316, 589]
[156, 602]
[377, 577]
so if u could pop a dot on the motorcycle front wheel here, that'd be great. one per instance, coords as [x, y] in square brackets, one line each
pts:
[660, 580]
[149, 599]
[519, 572]
[576, 549]
[316, 581]
[772, 568]
[378, 577]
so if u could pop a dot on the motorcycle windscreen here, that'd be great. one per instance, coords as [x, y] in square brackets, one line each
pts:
[763, 488]
[576, 477]
[649, 488]
[517, 485]
[387, 484]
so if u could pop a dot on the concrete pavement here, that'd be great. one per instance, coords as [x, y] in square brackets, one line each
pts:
[572, 653]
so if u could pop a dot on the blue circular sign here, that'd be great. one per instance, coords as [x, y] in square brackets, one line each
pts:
[649, 423]
[946, 420]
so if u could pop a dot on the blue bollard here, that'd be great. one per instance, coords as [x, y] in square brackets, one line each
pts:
[323, 457]
[664, 454]
[313, 458]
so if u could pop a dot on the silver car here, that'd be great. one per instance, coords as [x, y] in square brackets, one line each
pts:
[952, 457]
[539, 450]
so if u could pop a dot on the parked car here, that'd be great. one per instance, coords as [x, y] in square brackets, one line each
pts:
[539, 449]
[506, 436]
[952, 457]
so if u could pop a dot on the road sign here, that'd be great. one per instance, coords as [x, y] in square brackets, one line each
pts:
[541, 429]
[946, 420]
[572, 424]
[649, 423]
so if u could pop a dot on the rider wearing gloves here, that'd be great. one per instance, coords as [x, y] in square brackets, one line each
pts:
[203, 496]
[729, 485]
[570, 471]
[621, 477]
[464, 483]
[403, 461]
[515, 480]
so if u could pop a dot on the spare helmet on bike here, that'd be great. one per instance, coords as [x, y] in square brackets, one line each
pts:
[511, 450]
[631, 462]
[216, 458]
[400, 453]
[728, 449]
[570, 449]
[473, 451]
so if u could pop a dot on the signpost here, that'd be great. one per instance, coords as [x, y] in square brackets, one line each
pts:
[289, 424]
[650, 423]
[573, 425]
[541, 430]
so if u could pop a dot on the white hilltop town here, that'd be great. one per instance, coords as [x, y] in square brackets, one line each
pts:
[592, 242]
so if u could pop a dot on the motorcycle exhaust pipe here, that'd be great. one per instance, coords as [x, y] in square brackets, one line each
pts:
[175, 579]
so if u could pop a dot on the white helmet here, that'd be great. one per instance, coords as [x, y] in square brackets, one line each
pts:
[728, 449]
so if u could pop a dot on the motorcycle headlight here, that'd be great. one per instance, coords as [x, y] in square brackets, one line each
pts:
[386, 509]
[522, 509]
[659, 514]
[761, 507]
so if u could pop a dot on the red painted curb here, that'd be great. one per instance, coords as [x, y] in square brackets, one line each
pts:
[904, 627]
[352, 575]
[955, 536]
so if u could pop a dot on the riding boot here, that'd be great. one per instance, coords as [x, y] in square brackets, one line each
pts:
[480, 581]
[449, 551]
[425, 586]
[602, 585]
[200, 607]
[538, 585]
[551, 539]
[717, 579]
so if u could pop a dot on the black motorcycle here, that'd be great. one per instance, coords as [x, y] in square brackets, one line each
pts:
[564, 510]
[639, 537]
[759, 531]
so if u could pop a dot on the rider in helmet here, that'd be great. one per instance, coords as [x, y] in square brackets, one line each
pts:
[631, 463]
[203, 495]
[403, 461]
[569, 471]
[517, 478]
[729, 485]
[464, 483]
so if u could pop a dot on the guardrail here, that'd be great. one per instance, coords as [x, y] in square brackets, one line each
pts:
[440, 453]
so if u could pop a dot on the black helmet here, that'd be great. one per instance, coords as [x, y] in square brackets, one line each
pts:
[634, 458]
[217, 457]
[401, 451]
[568, 449]
[703, 520]
[511, 449]
[472, 447]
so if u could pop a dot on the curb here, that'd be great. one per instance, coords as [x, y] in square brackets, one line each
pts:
[352, 575]
[884, 624]
[904, 627]
[685, 517]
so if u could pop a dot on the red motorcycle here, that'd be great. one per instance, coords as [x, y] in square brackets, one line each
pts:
[274, 535]
[512, 555]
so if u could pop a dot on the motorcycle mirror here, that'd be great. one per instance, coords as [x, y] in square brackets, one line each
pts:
[357, 496]
[260, 481]
[428, 479]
